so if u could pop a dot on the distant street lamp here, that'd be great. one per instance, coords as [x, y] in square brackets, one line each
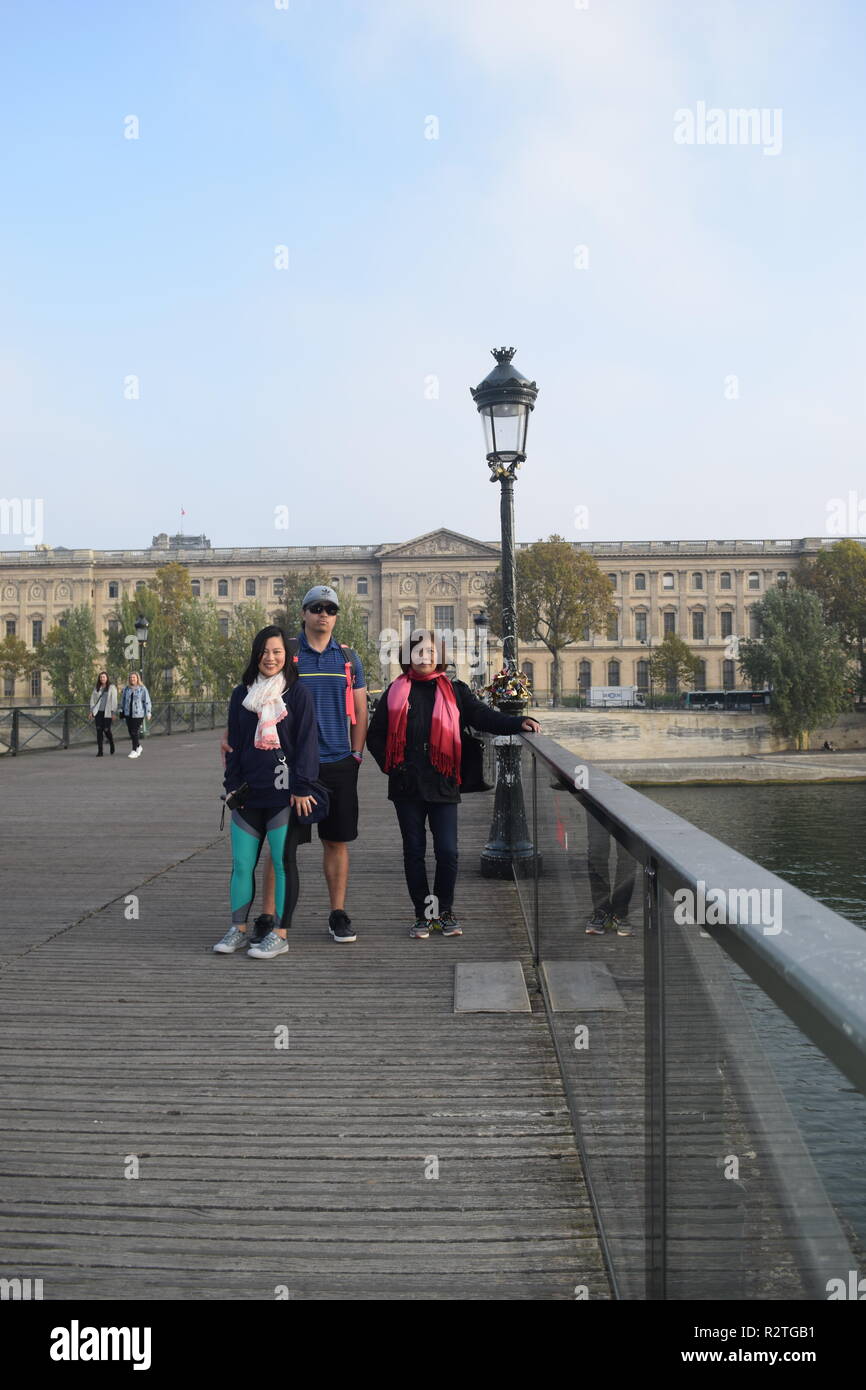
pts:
[142, 626]
[504, 400]
[482, 627]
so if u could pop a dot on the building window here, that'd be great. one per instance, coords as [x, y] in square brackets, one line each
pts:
[114, 589]
[701, 677]
[224, 627]
[361, 585]
[613, 628]
[725, 579]
[335, 581]
[643, 675]
[222, 588]
[782, 578]
[697, 580]
[278, 587]
[613, 673]
[670, 621]
[250, 588]
[727, 618]
[667, 580]
[584, 633]
[8, 686]
[196, 588]
[443, 617]
[365, 623]
[36, 685]
[754, 580]
[140, 584]
[584, 678]
[698, 625]
[528, 670]
[37, 630]
[728, 678]
[113, 625]
[612, 578]
[754, 623]
[640, 581]
[10, 627]
[640, 625]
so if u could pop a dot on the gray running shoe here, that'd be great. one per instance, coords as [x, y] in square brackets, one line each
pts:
[621, 925]
[420, 929]
[596, 924]
[233, 940]
[449, 924]
[272, 945]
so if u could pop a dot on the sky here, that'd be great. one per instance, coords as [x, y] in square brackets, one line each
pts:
[268, 306]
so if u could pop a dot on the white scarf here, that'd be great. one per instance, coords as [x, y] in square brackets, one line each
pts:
[264, 698]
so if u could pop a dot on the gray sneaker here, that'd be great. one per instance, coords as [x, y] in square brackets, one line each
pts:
[596, 924]
[621, 925]
[233, 940]
[272, 945]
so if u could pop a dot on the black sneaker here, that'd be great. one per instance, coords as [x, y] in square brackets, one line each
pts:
[263, 924]
[339, 925]
[597, 924]
[449, 924]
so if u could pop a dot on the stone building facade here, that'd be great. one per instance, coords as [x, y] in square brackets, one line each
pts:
[703, 590]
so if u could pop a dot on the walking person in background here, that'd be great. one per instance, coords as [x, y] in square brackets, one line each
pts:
[273, 763]
[416, 738]
[135, 707]
[103, 707]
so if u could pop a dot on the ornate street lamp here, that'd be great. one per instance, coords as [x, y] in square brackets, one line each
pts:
[142, 626]
[504, 400]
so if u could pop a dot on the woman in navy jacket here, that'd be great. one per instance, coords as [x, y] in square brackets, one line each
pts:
[274, 762]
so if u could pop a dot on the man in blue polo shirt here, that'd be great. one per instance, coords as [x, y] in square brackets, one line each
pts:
[335, 679]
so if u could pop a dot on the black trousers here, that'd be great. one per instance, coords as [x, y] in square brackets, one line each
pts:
[605, 898]
[133, 725]
[103, 730]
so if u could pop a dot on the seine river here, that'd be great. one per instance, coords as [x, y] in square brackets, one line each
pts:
[815, 837]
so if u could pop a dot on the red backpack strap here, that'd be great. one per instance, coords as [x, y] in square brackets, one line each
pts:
[350, 683]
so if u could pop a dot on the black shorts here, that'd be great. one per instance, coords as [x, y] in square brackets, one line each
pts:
[341, 779]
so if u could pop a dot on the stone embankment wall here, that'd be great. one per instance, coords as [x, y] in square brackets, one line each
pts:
[626, 734]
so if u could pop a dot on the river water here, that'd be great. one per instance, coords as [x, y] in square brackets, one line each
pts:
[815, 837]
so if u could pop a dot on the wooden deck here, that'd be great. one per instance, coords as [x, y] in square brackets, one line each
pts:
[262, 1169]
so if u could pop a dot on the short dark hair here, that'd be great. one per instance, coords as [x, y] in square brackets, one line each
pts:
[437, 647]
[260, 641]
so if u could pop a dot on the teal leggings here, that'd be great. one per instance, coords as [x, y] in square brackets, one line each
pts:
[251, 825]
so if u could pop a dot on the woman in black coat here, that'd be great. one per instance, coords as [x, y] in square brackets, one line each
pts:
[415, 738]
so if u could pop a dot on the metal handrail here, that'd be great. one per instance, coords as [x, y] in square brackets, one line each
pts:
[814, 969]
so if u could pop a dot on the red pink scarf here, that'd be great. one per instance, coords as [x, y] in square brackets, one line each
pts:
[444, 750]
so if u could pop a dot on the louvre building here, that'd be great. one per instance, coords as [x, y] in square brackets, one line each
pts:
[703, 590]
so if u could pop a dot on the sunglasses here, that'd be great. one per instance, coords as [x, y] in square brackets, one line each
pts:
[324, 608]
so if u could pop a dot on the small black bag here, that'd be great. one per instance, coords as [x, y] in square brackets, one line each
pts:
[472, 763]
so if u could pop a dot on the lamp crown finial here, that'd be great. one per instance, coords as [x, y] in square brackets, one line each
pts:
[503, 354]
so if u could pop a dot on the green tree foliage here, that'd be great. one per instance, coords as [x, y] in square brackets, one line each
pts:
[838, 576]
[802, 659]
[561, 592]
[69, 654]
[124, 653]
[15, 658]
[674, 663]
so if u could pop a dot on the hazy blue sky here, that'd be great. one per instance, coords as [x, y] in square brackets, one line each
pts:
[315, 387]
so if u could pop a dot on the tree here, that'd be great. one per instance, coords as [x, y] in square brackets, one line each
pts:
[350, 626]
[69, 653]
[15, 658]
[802, 659]
[124, 654]
[838, 577]
[561, 593]
[674, 663]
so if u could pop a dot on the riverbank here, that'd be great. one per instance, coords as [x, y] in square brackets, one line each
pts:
[760, 769]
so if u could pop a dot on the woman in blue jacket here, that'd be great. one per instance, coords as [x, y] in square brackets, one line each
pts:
[274, 760]
[135, 707]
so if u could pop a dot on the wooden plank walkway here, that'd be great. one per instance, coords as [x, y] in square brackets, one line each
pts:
[299, 1169]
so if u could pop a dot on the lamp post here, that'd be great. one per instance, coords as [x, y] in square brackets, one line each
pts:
[142, 626]
[482, 627]
[504, 400]
[647, 642]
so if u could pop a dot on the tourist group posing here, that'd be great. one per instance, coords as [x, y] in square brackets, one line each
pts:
[295, 740]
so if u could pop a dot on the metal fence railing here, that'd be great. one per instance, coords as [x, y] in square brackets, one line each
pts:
[687, 1023]
[35, 729]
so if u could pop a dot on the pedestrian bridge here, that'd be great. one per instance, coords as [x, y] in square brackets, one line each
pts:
[328, 1125]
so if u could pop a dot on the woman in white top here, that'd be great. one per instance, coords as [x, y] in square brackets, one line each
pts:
[103, 707]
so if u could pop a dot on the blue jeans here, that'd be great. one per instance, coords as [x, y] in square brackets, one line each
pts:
[412, 816]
